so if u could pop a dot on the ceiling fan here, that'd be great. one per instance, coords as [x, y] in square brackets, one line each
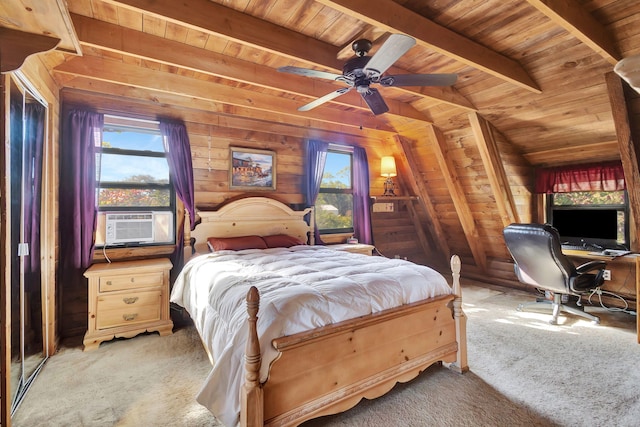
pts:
[362, 70]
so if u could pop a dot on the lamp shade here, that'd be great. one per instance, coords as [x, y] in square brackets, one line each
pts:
[388, 166]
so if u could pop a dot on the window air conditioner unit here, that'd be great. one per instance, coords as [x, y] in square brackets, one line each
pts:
[127, 227]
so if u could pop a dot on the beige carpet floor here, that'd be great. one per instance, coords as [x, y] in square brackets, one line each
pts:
[523, 372]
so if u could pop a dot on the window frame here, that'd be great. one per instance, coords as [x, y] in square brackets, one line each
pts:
[144, 126]
[550, 207]
[345, 150]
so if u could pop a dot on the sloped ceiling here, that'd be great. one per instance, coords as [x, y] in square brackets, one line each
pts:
[534, 69]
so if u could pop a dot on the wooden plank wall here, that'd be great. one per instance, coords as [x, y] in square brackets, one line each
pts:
[211, 134]
[394, 233]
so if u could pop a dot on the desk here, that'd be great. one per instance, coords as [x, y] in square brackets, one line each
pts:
[625, 277]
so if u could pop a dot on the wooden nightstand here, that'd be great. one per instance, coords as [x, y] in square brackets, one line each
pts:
[127, 298]
[356, 248]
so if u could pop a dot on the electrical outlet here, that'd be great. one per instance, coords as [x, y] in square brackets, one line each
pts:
[607, 275]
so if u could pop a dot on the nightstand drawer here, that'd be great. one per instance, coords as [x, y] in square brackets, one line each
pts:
[126, 300]
[134, 281]
[130, 316]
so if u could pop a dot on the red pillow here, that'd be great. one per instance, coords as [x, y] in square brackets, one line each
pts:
[235, 243]
[281, 241]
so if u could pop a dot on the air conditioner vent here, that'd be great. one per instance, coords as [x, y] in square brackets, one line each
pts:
[129, 227]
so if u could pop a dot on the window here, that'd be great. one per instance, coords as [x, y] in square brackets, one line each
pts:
[133, 181]
[334, 205]
[592, 219]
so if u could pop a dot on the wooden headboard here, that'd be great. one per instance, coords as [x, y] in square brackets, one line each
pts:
[260, 216]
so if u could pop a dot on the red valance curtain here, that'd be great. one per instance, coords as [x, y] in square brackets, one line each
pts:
[607, 176]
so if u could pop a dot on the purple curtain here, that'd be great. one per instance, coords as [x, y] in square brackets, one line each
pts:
[361, 209]
[178, 149]
[81, 133]
[608, 176]
[314, 168]
[33, 146]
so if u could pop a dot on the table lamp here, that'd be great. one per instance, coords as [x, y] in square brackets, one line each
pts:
[388, 169]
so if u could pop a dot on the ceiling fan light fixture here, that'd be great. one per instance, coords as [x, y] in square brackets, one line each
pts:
[361, 47]
[361, 71]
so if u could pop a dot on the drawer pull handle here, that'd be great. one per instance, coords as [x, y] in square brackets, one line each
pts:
[133, 279]
[129, 317]
[109, 282]
[130, 300]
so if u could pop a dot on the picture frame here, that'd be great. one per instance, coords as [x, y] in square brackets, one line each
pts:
[252, 169]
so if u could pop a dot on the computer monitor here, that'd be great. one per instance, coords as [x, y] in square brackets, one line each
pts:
[595, 227]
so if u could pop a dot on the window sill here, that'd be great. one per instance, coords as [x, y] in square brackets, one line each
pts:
[115, 254]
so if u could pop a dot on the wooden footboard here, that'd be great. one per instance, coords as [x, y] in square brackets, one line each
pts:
[330, 369]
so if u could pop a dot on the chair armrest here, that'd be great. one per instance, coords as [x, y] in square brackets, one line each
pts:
[590, 266]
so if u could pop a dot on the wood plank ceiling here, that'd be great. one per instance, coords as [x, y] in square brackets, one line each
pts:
[535, 69]
[531, 77]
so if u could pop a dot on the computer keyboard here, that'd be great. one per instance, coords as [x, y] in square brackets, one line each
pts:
[578, 247]
[611, 252]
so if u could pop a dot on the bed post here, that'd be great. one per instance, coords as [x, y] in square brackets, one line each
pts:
[251, 397]
[187, 247]
[460, 365]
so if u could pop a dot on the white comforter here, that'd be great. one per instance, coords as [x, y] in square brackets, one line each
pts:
[301, 288]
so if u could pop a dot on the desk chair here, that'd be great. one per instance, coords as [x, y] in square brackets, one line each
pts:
[539, 262]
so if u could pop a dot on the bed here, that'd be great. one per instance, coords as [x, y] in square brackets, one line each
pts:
[276, 365]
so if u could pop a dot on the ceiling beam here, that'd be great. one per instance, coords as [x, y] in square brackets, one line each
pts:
[115, 98]
[629, 146]
[114, 38]
[581, 24]
[452, 180]
[208, 16]
[213, 18]
[409, 168]
[141, 77]
[16, 46]
[395, 18]
[494, 167]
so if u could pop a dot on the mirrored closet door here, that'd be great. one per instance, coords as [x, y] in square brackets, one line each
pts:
[27, 132]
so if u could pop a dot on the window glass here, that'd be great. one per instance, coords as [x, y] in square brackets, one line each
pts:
[334, 205]
[132, 169]
[133, 177]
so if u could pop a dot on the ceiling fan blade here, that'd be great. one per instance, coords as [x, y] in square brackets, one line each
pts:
[323, 99]
[309, 73]
[392, 49]
[375, 102]
[419, 80]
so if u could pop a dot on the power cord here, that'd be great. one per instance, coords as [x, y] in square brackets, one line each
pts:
[378, 252]
[104, 252]
[598, 291]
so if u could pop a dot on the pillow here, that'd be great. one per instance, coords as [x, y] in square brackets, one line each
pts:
[282, 241]
[235, 243]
